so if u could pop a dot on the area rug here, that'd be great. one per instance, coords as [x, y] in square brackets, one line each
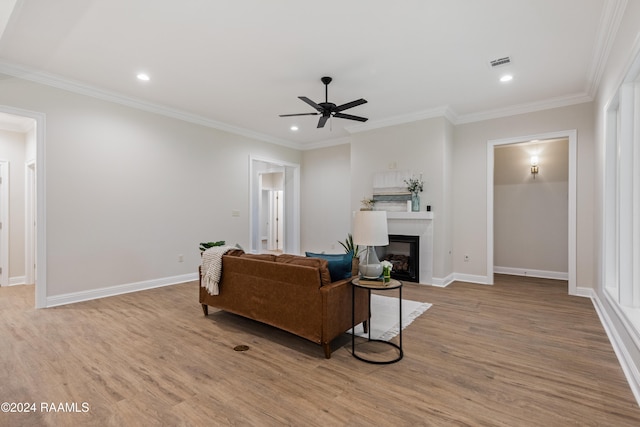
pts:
[384, 316]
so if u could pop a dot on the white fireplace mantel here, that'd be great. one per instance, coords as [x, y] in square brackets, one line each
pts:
[410, 215]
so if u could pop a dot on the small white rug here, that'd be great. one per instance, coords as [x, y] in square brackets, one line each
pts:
[384, 316]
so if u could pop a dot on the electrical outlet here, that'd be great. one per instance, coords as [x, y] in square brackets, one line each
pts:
[466, 258]
[235, 213]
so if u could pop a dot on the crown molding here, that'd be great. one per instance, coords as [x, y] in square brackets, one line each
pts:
[325, 144]
[444, 111]
[610, 20]
[52, 80]
[563, 101]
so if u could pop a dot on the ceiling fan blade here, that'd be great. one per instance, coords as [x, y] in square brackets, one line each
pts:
[299, 114]
[350, 117]
[310, 102]
[322, 121]
[350, 104]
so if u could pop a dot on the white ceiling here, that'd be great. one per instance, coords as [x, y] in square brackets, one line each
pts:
[238, 64]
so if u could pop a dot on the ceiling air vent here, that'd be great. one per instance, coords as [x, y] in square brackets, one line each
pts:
[500, 62]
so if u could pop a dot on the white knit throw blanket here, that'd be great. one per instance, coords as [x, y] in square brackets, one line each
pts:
[212, 267]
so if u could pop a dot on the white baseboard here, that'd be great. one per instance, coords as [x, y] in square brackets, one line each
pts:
[18, 280]
[585, 292]
[471, 278]
[442, 282]
[118, 290]
[630, 367]
[557, 275]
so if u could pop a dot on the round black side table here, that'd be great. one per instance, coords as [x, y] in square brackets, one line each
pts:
[379, 286]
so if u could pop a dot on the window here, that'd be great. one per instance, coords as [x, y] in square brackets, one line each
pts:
[622, 199]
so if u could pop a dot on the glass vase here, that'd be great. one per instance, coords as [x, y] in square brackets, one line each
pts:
[415, 202]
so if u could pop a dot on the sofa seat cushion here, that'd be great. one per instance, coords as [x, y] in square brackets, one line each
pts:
[340, 265]
[321, 264]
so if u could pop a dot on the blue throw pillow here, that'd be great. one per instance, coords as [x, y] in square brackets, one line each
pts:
[339, 264]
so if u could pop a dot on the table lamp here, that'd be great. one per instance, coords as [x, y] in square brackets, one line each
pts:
[370, 230]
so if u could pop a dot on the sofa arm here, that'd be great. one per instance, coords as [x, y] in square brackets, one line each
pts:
[336, 306]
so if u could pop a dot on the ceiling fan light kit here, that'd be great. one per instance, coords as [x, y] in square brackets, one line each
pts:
[328, 109]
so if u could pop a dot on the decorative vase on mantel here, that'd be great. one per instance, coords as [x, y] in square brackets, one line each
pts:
[415, 202]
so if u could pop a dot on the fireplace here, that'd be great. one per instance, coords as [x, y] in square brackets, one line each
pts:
[404, 253]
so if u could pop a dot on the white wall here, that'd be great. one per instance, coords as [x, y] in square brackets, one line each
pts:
[12, 149]
[325, 199]
[128, 190]
[531, 215]
[470, 183]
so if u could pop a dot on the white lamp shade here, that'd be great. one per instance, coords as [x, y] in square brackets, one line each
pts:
[370, 228]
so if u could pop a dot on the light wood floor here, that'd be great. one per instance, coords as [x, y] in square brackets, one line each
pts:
[519, 353]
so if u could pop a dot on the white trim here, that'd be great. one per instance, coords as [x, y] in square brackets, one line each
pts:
[443, 282]
[584, 292]
[325, 144]
[292, 230]
[556, 275]
[445, 111]
[18, 280]
[471, 278]
[111, 291]
[610, 19]
[41, 201]
[30, 220]
[563, 101]
[572, 215]
[59, 82]
[4, 221]
[629, 366]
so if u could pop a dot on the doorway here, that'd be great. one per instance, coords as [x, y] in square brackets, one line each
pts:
[274, 206]
[272, 219]
[33, 222]
[571, 216]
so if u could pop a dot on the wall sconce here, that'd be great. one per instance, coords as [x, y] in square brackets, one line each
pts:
[534, 166]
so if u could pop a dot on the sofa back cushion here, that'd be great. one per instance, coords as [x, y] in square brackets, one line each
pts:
[321, 264]
[340, 265]
[261, 257]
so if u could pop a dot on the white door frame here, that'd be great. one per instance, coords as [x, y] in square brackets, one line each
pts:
[4, 223]
[41, 233]
[291, 242]
[491, 144]
[30, 226]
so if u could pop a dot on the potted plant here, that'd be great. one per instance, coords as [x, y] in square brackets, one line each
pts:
[349, 246]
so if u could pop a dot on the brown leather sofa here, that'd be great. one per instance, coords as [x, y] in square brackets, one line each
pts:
[290, 292]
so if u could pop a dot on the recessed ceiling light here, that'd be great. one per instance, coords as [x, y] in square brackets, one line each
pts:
[144, 77]
[294, 128]
[506, 78]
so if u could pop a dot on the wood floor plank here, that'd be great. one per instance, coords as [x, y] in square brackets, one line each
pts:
[521, 352]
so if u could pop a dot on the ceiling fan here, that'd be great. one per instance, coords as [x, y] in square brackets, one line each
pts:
[328, 109]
